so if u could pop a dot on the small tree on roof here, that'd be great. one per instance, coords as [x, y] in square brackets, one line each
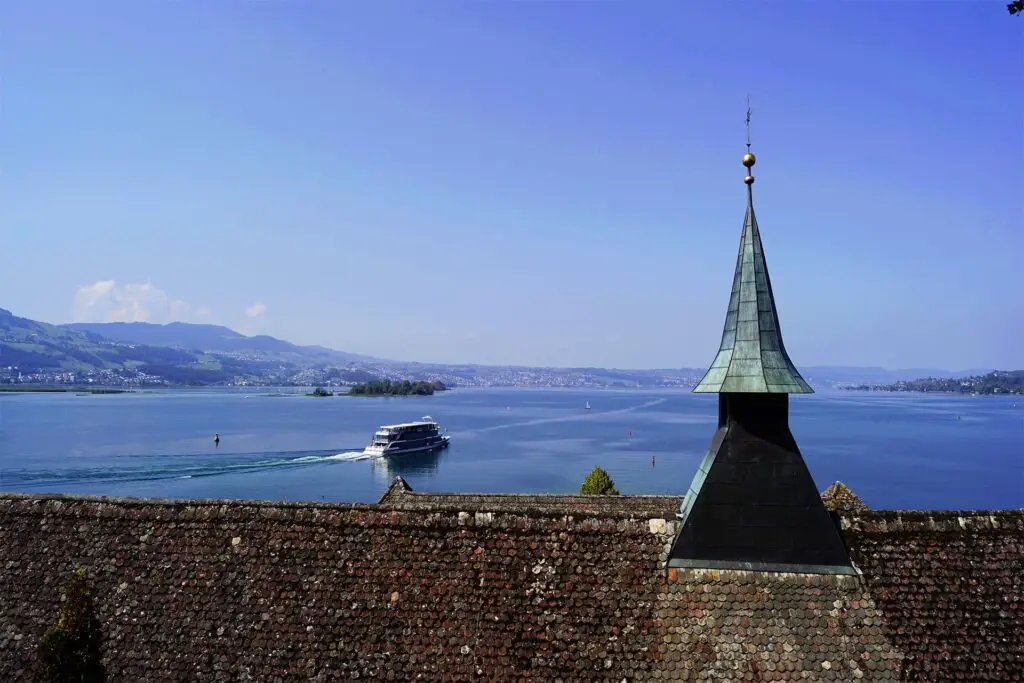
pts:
[598, 483]
[69, 651]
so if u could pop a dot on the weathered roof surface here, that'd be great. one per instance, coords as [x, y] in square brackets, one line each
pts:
[951, 586]
[230, 591]
[761, 626]
[399, 495]
[752, 357]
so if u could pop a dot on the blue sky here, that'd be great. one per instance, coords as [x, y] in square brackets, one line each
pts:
[545, 183]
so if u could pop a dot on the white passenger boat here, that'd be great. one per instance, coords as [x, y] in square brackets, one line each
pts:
[409, 437]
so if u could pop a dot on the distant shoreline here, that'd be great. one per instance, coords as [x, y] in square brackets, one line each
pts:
[998, 382]
[921, 392]
[346, 393]
[35, 389]
[875, 390]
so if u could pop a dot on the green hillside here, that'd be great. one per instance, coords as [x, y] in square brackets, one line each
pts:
[216, 339]
[28, 348]
[33, 346]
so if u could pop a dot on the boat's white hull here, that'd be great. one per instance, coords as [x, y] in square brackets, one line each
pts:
[379, 452]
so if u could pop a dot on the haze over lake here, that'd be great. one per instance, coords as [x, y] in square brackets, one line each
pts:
[894, 450]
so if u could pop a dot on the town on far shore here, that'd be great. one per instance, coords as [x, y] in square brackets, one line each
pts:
[995, 382]
[147, 355]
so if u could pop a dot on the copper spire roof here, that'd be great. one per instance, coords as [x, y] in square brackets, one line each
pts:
[752, 357]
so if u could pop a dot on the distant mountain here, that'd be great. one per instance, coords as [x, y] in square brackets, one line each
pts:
[211, 339]
[187, 353]
[33, 347]
[25, 342]
[36, 352]
[182, 335]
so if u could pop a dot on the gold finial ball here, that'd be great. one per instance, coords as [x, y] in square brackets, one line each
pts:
[749, 180]
[749, 160]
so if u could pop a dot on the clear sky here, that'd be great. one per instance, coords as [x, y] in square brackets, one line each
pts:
[544, 183]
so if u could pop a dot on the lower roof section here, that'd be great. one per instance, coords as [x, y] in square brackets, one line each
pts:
[773, 627]
[474, 590]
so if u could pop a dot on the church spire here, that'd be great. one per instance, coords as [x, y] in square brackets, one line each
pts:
[752, 357]
[753, 504]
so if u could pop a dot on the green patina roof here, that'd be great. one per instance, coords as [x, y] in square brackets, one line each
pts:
[752, 357]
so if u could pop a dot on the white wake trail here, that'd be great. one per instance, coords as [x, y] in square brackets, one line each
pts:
[566, 418]
[350, 456]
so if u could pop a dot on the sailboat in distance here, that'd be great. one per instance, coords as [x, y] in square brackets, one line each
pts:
[588, 406]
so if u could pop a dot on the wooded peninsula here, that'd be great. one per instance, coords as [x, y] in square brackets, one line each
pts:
[997, 382]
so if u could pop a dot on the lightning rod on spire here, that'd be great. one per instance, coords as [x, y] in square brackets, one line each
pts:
[749, 159]
[748, 122]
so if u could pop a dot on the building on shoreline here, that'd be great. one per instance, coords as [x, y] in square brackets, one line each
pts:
[749, 576]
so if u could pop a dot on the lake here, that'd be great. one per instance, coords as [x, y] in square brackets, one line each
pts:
[894, 450]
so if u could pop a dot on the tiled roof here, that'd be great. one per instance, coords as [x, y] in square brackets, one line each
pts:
[232, 591]
[951, 585]
[228, 591]
[400, 495]
[761, 626]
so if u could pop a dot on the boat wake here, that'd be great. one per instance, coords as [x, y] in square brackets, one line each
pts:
[176, 467]
[350, 456]
[589, 415]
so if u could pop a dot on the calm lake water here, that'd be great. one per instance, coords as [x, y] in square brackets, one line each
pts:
[895, 450]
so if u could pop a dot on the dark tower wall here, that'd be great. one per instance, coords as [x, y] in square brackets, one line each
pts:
[753, 503]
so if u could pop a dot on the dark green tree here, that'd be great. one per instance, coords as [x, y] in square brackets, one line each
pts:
[69, 651]
[1016, 7]
[405, 387]
[598, 483]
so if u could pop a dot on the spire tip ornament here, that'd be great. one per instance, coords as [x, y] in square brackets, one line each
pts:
[749, 159]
